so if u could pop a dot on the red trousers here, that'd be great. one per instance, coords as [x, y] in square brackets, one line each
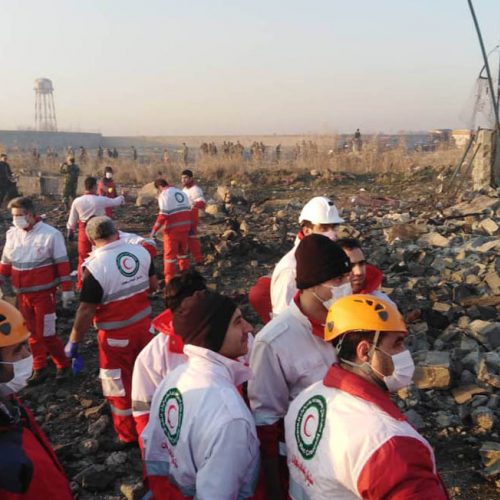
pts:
[84, 248]
[259, 297]
[175, 251]
[194, 241]
[39, 312]
[117, 352]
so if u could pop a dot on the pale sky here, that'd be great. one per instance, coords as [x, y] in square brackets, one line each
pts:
[193, 67]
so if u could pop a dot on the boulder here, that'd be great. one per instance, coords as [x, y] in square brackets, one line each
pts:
[147, 195]
[433, 372]
[465, 393]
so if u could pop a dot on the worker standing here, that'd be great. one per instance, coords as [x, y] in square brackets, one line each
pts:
[8, 187]
[114, 295]
[197, 202]
[28, 464]
[70, 171]
[82, 209]
[106, 187]
[35, 259]
[345, 438]
[289, 353]
[175, 219]
[200, 441]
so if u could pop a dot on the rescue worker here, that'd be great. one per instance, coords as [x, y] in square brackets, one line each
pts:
[106, 187]
[29, 468]
[197, 202]
[365, 278]
[82, 209]
[200, 441]
[70, 171]
[385, 457]
[35, 259]
[289, 353]
[185, 153]
[117, 279]
[175, 219]
[165, 351]
[318, 216]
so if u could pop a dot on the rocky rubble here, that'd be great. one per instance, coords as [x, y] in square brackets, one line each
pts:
[441, 266]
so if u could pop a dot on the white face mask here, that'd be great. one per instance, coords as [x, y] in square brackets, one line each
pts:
[108, 175]
[20, 221]
[332, 234]
[22, 372]
[404, 367]
[337, 293]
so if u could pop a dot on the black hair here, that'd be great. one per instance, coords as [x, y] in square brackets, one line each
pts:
[187, 172]
[349, 243]
[24, 203]
[349, 341]
[160, 183]
[90, 183]
[181, 286]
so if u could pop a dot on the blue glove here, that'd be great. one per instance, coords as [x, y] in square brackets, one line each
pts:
[71, 349]
[77, 364]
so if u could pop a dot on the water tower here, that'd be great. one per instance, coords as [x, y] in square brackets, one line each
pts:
[45, 111]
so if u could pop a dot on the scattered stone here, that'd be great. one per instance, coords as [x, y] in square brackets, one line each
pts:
[94, 410]
[466, 392]
[229, 234]
[117, 458]
[490, 452]
[433, 372]
[415, 419]
[95, 477]
[489, 226]
[214, 209]
[483, 418]
[133, 491]
[97, 428]
[146, 195]
[89, 446]
[434, 240]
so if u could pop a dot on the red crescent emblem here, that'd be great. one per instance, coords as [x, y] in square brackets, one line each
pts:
[305, 425]
[170, 409]
[124, 264]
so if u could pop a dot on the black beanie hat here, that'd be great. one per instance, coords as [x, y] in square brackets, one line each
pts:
[319, 259]
[203, 319]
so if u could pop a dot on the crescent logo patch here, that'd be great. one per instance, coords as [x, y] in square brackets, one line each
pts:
[171, 413]
[179, 197]
[128, 264]
[309, 426]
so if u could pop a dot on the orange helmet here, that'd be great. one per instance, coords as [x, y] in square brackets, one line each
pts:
[362, 312]
[12, 327]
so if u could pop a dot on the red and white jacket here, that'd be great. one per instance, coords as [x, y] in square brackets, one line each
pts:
[346, 439]
[122, 270]
[175, 211]
[36, 259]
[195, 196]
[88, 205]
[162, 355]
[200, 441]
[288, 355]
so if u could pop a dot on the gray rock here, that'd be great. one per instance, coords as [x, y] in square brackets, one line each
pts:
[434, 371]
[96, 428]
[117, 458]
[415, 419]
[95, 478]
[89, 446]
[483, 418]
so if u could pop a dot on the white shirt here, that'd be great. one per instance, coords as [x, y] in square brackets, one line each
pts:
[283, 285]
[194, 194]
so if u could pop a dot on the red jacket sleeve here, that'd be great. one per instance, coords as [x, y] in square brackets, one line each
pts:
[161, 220]
[401, 469]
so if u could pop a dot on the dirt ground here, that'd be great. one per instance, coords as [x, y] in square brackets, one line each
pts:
[69, 412]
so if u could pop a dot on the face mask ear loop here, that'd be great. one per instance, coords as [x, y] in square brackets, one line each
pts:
[374, 345]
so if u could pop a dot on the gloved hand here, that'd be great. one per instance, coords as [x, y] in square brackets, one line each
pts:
[67, 298]
[71, 351]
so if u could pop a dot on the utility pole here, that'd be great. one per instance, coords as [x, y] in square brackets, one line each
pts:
[495, 168]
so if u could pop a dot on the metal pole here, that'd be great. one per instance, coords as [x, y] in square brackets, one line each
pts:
[486, 64]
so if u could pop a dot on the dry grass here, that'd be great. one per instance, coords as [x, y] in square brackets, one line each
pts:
[372, 158]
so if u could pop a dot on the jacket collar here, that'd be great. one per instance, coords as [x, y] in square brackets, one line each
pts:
[373, 279]
[109, 246]
[346, 381]
[317, 328]
[163, 323]
[211, 362]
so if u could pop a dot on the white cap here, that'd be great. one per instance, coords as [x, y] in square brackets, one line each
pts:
[320, 210]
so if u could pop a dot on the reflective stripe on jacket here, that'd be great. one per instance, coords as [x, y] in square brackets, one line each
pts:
[122, 270]
[36, 260]
[175, 211]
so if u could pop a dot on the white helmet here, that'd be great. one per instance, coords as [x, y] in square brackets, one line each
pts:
[320, 210]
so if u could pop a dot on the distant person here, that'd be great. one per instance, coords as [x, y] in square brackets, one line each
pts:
[134, 153]
[115, 153]
[82, 210]
[197, 202]
[106, 187]
[278, 153]
[166, 158]
[8, 187]
[185, 153]
[29, 468]
[100, 153]
[357, 142]
[36, 261]
[70, 171]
